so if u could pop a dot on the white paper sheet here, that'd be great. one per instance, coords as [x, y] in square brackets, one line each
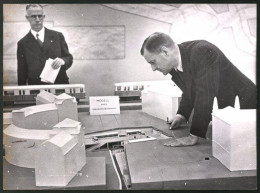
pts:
[49, 74]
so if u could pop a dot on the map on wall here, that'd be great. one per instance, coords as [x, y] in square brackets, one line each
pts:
[95, 42]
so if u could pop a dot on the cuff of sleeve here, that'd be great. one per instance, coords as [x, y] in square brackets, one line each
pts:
[65, 65]
[182, 117]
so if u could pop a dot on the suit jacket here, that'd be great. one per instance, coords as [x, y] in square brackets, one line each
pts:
[208, 73]
[31, 57]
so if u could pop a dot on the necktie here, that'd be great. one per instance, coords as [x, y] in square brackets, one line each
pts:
[38, 40]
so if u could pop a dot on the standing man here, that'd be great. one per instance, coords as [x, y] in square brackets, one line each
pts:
[202, 72]
[39, 45]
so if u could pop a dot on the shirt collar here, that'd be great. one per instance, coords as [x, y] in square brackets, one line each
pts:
[179, 67]
[41, 34]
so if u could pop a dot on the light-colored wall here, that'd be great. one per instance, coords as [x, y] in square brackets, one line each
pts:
[228, 26]
[98, 76]
[231, 27]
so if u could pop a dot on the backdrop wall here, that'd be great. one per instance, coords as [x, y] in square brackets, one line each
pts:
[105, 39]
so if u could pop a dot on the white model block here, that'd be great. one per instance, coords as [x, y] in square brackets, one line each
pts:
[20, 144]
[33, 125]
[67, 107]
[55, 161]
[161, 101]
[234, 138]
[80, 150]
[76, 130]
[36, 117]
[68, 125]
[44, 98]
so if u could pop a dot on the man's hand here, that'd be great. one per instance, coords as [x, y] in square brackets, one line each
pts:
[184, 141]
[57, 63]
[176, 122]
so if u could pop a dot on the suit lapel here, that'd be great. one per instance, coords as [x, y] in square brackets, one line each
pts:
[187, 76]
[32, 44]
[175, 79]
[48, 40]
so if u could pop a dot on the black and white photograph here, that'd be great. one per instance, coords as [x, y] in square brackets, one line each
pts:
[129, 96]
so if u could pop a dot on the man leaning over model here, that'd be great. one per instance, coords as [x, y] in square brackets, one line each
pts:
[202, 72]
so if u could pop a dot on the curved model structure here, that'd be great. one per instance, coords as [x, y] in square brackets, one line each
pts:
[39, 130]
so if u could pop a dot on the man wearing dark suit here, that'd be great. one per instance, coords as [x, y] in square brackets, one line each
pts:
[202, 72]
[39, 45]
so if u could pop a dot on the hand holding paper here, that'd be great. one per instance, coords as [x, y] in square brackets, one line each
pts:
[49, 74]
[58, 62]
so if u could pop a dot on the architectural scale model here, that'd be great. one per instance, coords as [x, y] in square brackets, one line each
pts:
[26, 94]
[234, 137]
[115, 141]
[61, 166]
[133, 89]
[161, 101]
[116, 138]
[45, 116]
[75, 129]
[44, 97]
[38, 133]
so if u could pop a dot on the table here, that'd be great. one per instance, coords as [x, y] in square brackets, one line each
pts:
[136, 118]
[19, 178]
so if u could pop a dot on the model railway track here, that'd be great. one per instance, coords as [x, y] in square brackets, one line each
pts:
[17, 97]
[82, 106]
[13, 95]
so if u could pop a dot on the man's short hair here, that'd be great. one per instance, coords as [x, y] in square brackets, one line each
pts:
[33, 5]
[155, 41]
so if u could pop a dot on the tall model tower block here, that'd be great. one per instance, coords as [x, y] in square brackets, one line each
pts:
[55, 160]
[234, 138]
[75, 129]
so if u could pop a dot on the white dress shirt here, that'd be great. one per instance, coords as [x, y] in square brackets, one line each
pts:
[41, 34]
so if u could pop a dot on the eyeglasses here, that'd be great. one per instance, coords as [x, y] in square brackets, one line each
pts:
[35, 16]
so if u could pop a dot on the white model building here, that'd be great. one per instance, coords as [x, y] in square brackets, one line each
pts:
[44, 97]
[234, 137]
[55, 160]
[75, 129]
[67, 106]
[20, 144]
[45, 116]
[34, 127]
[40, 117]
[161, 101]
